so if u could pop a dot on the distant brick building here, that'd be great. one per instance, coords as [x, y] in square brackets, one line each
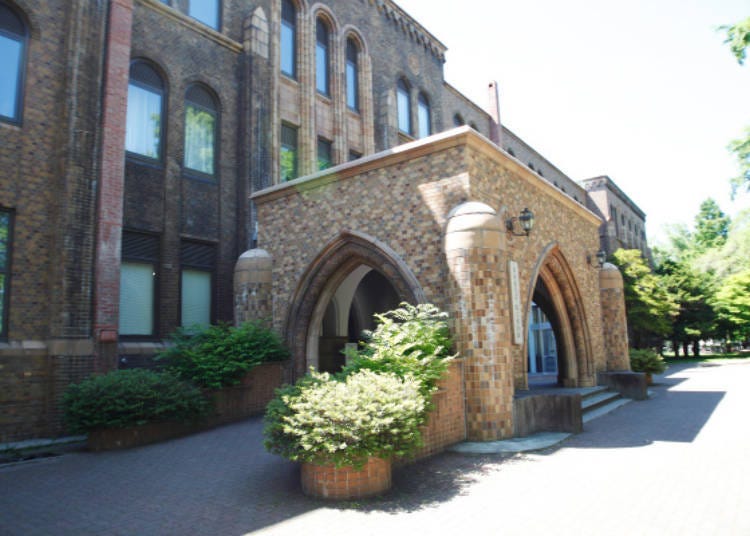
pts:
[133, 134]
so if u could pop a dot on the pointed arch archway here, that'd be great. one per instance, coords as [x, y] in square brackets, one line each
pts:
[337, 260]
[554, 286]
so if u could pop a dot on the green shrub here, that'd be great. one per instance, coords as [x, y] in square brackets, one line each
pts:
[646, 361]
[131, 397]
[411, 341]
[343, 422]
[220, 355]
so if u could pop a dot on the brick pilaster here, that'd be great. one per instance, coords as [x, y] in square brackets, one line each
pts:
[109, 213]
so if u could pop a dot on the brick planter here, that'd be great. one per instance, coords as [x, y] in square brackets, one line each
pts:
[329, 482]
[135, 436]
[230, 404]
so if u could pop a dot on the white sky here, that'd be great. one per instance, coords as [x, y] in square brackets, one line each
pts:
[644, 91]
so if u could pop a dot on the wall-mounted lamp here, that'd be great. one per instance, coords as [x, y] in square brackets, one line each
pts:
[526, 219]
[601, 258]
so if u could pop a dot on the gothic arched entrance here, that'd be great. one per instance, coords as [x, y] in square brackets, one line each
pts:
[352, 277]
[558, 347]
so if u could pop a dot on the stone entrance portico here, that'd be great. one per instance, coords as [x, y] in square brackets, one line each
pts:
[430, 217]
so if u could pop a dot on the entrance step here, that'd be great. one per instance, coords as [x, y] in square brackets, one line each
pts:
[597, 399]
[601, 403]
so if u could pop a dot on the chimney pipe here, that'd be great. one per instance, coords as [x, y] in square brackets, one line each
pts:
[495, 127]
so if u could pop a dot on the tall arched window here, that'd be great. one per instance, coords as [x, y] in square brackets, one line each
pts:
[206, 11]
[423, 116]
[403, 104]
[12, 60]
[288, 38]
[322, 56]
[201, 120]
[352, 74]
[144, 125]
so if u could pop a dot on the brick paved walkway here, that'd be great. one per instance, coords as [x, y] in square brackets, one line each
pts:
[676, 464]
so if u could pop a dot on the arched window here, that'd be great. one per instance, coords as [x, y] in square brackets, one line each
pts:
[352, 75]
[12, 60]
[458, 120]
[288, 38]
[206, 11]
[201, 119]
[322, 57]
[144, 125]
[403, 104]
[423, 116]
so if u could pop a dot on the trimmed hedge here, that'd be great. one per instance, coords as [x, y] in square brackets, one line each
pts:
[219, 356]
[126, 398]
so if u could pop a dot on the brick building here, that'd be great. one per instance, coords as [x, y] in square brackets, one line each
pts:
[134, 133]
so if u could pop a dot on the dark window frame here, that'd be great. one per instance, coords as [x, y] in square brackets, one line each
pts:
[423, 104]
[326, 143]
[4, 322]
[289, 8]
[352, 62]
[216, 112]
[325, 46]
[17, 119]
[211, 269]
[403, 88]
[290, 128]
[155, 324]
[157, 161]
[219, 9]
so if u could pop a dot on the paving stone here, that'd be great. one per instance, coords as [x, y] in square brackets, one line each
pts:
[674, 464]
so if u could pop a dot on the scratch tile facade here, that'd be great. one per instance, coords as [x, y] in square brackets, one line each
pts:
[112, 239]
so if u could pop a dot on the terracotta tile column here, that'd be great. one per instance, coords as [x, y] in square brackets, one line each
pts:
[614, 320]
[252, 286]
[475, 252]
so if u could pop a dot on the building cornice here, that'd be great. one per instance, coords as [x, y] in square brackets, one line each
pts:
[604, 180]
[411, 27]
[457, 137]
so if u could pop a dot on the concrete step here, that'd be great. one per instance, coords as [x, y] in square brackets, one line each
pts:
[592, 414]
[593, 401]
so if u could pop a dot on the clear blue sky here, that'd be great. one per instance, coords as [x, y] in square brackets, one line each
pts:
[643, 91]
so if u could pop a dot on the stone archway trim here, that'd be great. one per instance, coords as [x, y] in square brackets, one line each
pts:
[325, 273]
[556, 274]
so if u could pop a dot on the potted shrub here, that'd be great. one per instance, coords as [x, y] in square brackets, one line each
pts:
[345, 431]
[116, 409]
[648, 362]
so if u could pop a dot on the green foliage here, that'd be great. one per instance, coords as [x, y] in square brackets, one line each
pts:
[131, 397]
[218, 356]
[692, 290]
[650, 308]
[411, 341]
[646, 360]
[738, 39]
[711, 226]
[343, 422]
[733, 304]
[741, 149]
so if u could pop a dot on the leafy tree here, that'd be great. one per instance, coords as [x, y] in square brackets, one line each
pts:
[692, 292]
[733, 304]
[650, 307]
[738, 38]
[711, 226]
